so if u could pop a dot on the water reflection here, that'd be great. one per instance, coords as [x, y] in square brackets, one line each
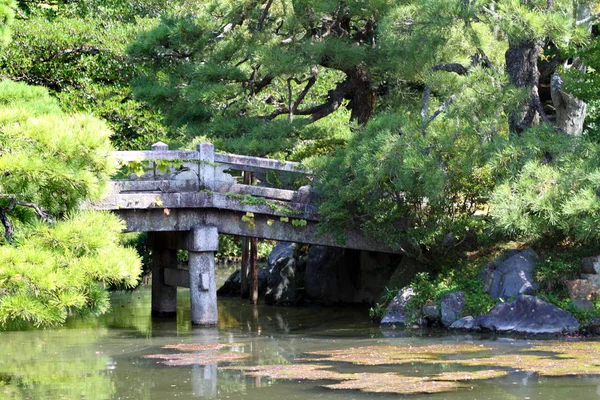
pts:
[105, 358]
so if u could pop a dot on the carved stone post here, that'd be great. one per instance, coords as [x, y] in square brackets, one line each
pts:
[203, 242]
[206, 166]
[158, 146]
[164, 297]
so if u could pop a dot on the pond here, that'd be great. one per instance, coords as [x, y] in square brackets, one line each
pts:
[283, 353]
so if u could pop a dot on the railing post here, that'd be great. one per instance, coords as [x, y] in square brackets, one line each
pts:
[206, 165]
[158, 146]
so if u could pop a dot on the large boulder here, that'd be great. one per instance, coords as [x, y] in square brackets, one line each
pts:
[527, 315]
[465, 324]
[451, 306]
[327, 280]
[396, 314]
[285, 276]
[510, 274]
[281, 250]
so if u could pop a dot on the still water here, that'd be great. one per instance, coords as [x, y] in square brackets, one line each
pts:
[106, 358]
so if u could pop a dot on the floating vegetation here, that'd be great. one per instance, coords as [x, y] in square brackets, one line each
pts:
[387, 382]
[470, 376]
[560, 359]
[544, 359]
[311, 372]
[395, 384]
[202, 347]
[394, 355]
[198, 358]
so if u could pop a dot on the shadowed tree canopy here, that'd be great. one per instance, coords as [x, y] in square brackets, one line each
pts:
[434, 110]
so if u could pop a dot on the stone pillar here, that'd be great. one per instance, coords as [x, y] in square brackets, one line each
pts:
[203, 242]
[206, 166]
[164, 297]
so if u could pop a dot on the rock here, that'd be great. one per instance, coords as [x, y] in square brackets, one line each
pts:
[527, 315]
[232, 285]
[593, 325]
[590, 265]
[326, 281]
[465, 323]
[396, 315]
[583, 305]
[431, 313]
[510, 274]
[405, 272]
[284, 283]
[581, 289]
[451, 307]
[281, 250]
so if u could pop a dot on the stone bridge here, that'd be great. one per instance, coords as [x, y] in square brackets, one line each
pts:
[185, 198]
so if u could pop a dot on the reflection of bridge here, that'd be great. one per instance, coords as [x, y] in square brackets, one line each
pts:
[185, 198]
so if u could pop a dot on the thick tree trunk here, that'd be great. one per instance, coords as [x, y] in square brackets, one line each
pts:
[521, 67]
[570, 111]
[364, 96]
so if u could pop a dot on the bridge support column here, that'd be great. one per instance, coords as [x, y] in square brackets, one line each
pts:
[164, 297]
[203, 242]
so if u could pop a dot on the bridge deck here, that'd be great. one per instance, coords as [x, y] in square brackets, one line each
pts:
[200, 190]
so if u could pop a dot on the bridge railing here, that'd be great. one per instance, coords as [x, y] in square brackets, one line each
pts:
[169, 171]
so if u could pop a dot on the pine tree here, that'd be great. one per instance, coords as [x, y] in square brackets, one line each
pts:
[54, 259]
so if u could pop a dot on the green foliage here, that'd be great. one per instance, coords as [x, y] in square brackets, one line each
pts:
[80, 57]
[51, 163]
[552, 272]
[547, 187]
[48, 158]
[7, 16]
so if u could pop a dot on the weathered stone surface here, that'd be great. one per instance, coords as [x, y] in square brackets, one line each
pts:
[510, 274]
[405, 272]
[284, 284]
[527, 315]
[593, 325]
[328, 275]
[431, 313]
[281, 250]
[451, 306]
[465, 323]
[581, 289]
[396, 315]
[590, 265]
[583, 305]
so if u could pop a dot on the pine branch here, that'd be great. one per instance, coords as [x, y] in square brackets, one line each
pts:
[334, 101]
[84, 49]
[425, 107]
[8, 228]
[452, 67]
[263, 16]
[588, 19]
[437, 112]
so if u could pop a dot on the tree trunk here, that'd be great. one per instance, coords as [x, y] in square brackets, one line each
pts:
[363, 98]
[570, 111]
[521, 67]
